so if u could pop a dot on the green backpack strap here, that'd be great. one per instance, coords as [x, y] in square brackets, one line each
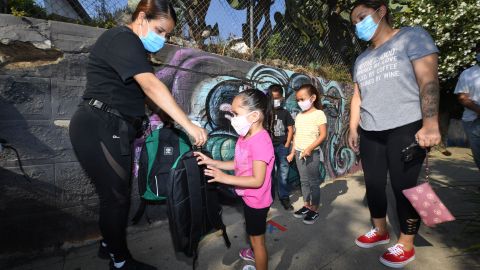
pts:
[152, 142]
[184, 146]
[151, 148]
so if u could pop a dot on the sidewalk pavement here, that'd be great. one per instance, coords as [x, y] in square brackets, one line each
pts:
[329, 243]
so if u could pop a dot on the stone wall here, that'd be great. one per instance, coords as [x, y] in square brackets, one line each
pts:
[43, 75]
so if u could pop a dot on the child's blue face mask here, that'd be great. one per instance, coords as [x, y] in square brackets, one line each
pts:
[366, 28]
[152, 42]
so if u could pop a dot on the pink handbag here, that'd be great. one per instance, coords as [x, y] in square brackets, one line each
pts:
[431, 210]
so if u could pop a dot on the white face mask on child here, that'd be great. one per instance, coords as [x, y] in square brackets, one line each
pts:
[241, 124]
[305, 105]
[277, 103]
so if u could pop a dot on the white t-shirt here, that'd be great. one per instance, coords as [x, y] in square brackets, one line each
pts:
[469, 83]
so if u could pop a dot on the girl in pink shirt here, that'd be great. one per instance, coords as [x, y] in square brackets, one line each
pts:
[253, 163]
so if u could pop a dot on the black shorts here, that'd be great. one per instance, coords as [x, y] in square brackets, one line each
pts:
[255, 220]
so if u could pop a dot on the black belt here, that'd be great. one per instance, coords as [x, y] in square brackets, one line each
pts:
[104, 107]
[138, 123]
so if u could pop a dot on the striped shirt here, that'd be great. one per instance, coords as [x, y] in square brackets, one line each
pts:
[306, 128]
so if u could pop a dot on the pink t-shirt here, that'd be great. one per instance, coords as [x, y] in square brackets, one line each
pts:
[257, 147]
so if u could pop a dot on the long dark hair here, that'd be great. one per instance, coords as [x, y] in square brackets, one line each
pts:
[256, 100]
[312, 90]
[154, 9]
[374, 4]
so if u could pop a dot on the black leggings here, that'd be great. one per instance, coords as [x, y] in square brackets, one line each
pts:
[380, 152]
[95, 139]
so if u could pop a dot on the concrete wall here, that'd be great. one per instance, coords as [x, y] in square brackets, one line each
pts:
[42, 76]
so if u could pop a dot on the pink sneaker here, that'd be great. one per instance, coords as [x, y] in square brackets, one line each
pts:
[372, 238]
[247, 254]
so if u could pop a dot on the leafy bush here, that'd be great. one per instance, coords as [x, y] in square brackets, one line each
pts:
[454, 25]
[26, 8]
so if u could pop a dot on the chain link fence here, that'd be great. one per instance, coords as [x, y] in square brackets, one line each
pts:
[306, 33]
[314, 34]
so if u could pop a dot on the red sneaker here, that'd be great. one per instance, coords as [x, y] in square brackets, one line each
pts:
[372, 238]
[397, 256]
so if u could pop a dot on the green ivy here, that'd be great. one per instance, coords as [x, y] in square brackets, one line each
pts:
[271, 49]
[26, 8]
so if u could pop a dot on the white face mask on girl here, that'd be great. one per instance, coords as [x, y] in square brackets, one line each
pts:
[305, 105]
[241, 124]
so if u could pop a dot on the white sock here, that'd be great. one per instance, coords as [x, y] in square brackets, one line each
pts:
[118, 264]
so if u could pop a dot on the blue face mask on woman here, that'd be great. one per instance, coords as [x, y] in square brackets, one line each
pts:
[152, 42]
[366, 28]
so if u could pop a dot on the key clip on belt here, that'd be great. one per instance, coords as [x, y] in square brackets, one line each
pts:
[99, 105]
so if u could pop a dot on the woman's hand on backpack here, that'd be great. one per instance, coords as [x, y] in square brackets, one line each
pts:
[203, 159]
[216, 174]
[198, 134]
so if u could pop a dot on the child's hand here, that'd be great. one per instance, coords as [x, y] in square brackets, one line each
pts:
[202, 159]
[306, 153]
[216, 174]
[290, 157]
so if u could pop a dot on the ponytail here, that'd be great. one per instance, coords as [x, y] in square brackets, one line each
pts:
[256, 100]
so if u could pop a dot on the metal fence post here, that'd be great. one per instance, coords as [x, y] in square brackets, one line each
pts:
[251, 30]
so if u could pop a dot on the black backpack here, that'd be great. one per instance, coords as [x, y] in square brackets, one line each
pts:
[192, 206]
[169, 172]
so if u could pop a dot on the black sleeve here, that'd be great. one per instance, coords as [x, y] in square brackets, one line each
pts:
[290, 121]
[126, 55]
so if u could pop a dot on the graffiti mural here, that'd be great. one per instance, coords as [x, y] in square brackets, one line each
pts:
[205, 85]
